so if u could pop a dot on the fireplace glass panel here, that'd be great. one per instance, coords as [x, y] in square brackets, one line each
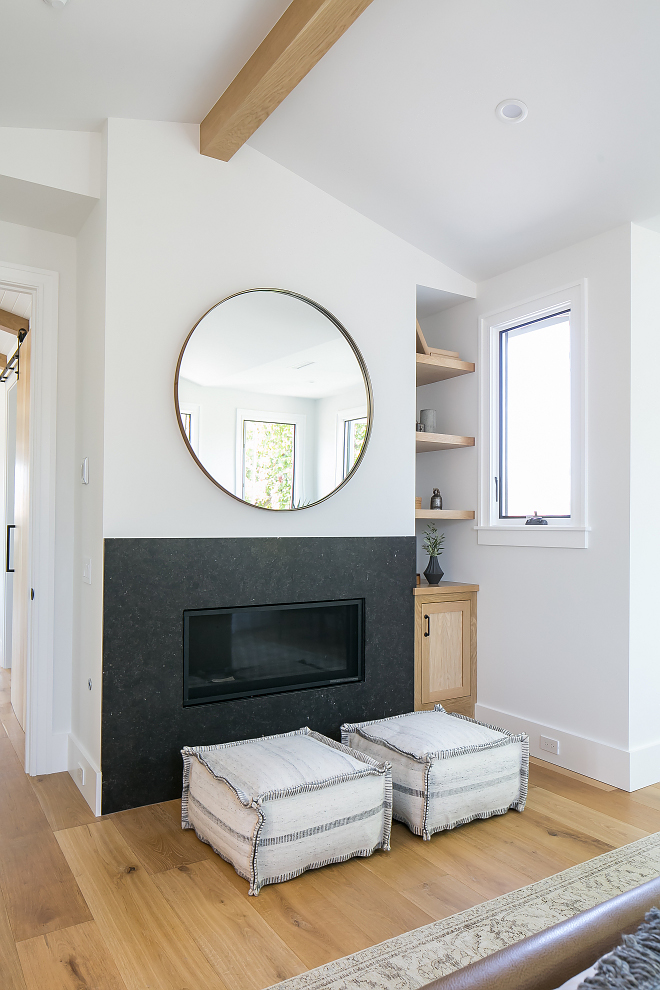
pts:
[247, 651]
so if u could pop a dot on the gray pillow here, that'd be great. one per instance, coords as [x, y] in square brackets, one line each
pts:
[634, 965]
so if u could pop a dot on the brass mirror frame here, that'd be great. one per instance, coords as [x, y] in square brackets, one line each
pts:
[363, 369]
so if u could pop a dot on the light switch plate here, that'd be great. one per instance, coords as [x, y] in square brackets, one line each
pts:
[87, 570]
[84, 471]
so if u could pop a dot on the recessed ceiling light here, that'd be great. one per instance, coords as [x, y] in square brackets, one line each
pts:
[512, 111]
[57, 4]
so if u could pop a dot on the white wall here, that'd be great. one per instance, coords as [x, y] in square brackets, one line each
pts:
[49, 179]
[57, 253]
[644, 517]
[183, 232]
[68, 160]
[85, 736]
[553, 623]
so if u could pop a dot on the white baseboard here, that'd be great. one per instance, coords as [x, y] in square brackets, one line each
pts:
[644, 766]
[59, 752]
[79, 759]
[586, 756]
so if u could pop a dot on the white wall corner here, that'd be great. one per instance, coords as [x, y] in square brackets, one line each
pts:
[597, 760]
[79, 760]
[645, 766]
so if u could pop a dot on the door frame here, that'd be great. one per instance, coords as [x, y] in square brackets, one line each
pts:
[45, 750]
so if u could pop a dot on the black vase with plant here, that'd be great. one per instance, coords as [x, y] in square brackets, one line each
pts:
[433, 546]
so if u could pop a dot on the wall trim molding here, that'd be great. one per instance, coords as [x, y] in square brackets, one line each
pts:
[609, 764]
[78, 757]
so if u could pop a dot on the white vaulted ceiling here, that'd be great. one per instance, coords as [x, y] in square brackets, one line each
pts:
[398, 119]
[145, 59]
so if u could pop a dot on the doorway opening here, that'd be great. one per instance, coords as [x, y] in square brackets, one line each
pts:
[15, 312]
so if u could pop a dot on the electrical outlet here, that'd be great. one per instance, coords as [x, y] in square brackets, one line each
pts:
[80, 775]
[87, 570]
[550, 745]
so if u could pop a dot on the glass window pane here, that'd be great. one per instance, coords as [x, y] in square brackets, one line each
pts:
[536, 419]
[268, 464]
[355, 433]
[186, 419]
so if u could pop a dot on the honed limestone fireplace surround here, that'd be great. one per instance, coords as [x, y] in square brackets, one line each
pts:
[149, 583]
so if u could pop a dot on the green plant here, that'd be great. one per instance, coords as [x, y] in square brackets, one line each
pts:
[433, 541]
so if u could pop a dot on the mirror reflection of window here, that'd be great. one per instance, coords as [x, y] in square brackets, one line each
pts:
[269, 464]
[355, 432]
[186, 419]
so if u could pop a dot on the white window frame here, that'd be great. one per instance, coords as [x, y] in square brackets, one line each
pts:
[258, 415]
[345, 416]
[193, 411]
[571, 533]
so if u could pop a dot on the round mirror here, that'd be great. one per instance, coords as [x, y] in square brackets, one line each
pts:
[273, 399]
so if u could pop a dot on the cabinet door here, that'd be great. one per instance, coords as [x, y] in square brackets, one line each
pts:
[445, 651]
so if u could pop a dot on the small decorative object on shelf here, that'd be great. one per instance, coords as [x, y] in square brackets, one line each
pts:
[433, 546]
[428, 419]
[436, 499]
[536, 520]
[418, 501]
[420, 427]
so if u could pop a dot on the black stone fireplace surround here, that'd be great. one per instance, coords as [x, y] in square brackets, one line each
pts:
[147, 585]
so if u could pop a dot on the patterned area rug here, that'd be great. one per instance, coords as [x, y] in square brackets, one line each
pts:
[409, 961]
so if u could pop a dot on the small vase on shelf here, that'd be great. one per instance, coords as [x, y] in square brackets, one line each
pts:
[433, 545]
[434, 573]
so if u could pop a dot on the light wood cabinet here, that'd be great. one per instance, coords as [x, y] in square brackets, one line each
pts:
[446, 647]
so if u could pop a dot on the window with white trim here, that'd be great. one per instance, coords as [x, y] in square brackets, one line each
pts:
[533, 423]
[355, 432]
[270, 458]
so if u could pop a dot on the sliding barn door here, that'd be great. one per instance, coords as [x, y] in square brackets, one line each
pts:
[21, 548]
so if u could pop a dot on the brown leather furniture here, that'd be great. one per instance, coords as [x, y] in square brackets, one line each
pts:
[546, 960]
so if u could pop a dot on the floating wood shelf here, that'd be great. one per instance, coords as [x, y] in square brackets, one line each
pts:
[444, 514]
[437, 368]
[425, 442]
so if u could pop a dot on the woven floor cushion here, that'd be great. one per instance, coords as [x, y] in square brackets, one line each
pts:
[447, 769]
[277, 806]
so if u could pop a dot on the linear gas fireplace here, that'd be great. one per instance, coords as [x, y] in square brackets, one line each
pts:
[265, 649]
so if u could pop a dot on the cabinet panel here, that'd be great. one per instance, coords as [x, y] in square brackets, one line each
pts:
[446, 658]
[445, 651]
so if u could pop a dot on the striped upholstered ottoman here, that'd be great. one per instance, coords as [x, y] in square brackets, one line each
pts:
[277, 806]
[447, 769]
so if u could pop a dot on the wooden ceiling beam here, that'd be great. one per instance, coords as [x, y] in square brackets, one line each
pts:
[304, 33]
[12, 323]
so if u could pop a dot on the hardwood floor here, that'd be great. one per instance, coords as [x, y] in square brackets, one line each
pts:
[130, 901]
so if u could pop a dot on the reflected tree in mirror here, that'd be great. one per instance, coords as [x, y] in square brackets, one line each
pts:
[273, 399]
[268, 464]
[355, 434]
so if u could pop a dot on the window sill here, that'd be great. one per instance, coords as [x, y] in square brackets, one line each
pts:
[569, 537]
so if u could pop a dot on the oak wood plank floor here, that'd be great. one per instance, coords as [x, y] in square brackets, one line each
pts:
[131, 901]
[60, 801]
[240, 945]
[10, 967]
[39, 891]
[8, 720]
[69, 959]
[158, 839]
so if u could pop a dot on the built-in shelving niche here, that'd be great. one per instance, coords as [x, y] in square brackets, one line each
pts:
[437, 365]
